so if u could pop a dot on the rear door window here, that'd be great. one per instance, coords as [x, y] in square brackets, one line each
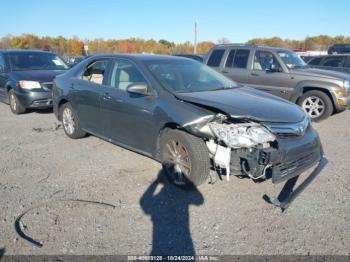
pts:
[336, 61]
[241, 58]
[231, 56]
[215, 57]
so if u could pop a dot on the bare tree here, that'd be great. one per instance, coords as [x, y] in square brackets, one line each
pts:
[223, 40]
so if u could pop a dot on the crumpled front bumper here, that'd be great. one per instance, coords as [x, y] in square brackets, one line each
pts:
[288, 194]
[294, 157]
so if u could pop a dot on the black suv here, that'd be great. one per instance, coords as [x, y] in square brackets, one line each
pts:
[26, 78]
[339, 49]
[339, 63]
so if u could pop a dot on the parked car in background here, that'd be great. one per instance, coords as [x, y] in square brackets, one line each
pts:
[76, 60]
[182, 113]
[306, 58]
[339, 49]
[283, 73]
[199, 58]
[339, 63]
[26, 78]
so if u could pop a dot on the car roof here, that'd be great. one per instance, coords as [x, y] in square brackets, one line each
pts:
[139, 57]
[15, 51]
[263, 47]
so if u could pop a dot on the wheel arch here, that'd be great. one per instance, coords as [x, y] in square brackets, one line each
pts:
[59, 105]
[8, 87]
[167, 125]
[321, 89]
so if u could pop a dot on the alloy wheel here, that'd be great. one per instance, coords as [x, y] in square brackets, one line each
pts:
[313, 106]
[177, 161]
[68, 121]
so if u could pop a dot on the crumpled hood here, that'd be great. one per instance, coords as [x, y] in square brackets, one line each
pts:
[321, 73]
[37, 75]
[247, 103]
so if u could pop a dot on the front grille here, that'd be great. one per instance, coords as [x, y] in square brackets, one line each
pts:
[47, 86]
[284, 136]
[289, 130]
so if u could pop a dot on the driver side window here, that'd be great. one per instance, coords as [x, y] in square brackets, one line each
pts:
[264, 61]
[124, 74]
[95, 72]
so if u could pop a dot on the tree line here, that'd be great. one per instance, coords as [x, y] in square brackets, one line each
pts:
[75, 46]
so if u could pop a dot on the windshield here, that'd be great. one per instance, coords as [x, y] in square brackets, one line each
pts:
[186, 76]
[36, 61]
[292, 60]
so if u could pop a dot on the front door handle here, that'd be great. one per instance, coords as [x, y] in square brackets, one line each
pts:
[106, 96]
[254, 74]
[224, 72]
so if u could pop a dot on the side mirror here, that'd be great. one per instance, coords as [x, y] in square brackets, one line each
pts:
[138, 88]
[274, 68]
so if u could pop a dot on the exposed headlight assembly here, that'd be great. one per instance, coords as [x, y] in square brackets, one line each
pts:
[242, 135]
[29, 85]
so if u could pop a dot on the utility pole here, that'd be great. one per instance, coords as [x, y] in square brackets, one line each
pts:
[195, 38]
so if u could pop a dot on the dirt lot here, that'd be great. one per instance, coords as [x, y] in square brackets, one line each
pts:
[39, 164]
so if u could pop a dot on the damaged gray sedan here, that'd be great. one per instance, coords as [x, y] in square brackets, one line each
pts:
[188, 117]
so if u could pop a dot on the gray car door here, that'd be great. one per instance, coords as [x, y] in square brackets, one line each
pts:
[128, 118]
[85, 95]
[235, 66]
[267, 74]
[3, 78]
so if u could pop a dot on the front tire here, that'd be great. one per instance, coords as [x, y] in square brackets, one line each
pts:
[184, 157]
[14, 103]
[70, 122]
[316, 104]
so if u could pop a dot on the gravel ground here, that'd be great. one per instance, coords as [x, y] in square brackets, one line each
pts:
[39, 163]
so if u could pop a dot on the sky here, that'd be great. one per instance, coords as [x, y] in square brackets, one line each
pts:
[173, 20]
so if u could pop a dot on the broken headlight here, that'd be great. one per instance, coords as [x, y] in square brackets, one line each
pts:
[242, 135]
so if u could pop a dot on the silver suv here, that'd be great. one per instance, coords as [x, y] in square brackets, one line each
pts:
[283, 73]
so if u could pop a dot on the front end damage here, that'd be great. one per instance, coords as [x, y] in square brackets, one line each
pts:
[241, 146]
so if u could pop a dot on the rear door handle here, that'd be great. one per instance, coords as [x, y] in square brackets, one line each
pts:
[254, 74]
[106, 96]
[224, 72]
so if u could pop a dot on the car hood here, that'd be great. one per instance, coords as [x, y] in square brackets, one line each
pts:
[37, 75]
[321, 73]
[243, 102]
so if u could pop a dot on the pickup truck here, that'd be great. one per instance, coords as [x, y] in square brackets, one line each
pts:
[281, 72]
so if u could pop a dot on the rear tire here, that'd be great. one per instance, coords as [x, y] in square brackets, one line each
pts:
[316, 104]
[185, 158]
[15, 105]
[70, 122]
